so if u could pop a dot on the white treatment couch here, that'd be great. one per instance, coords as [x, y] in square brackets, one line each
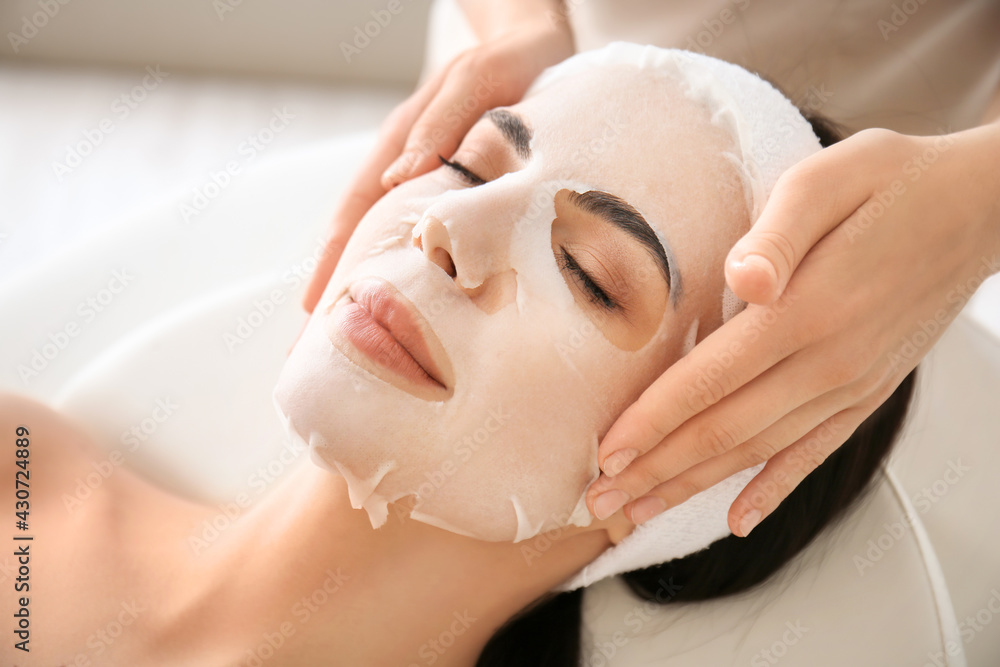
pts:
[205, 311]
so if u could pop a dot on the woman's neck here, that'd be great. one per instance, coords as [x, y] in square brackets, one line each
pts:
[304, 576]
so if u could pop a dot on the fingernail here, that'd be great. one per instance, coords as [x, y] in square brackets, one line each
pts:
[399, 170]
[617, 462]
[609, 502]
[749, 522]
[646, 508]
[761, 265]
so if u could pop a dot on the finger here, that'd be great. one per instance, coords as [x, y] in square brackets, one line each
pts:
[786, 470]
[732, 355]
[770, 399]
[321, 276]
[296, 341]
[396, 131]
[802, 209]
[745, 428]
[439, 130]
[352, 208]
[756, 450]
[366, 187]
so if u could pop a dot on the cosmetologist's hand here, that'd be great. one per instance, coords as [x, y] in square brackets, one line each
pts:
[862, 256]
[519, 40]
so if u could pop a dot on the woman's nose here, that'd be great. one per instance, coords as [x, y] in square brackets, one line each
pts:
[431, 236]
[489, 283]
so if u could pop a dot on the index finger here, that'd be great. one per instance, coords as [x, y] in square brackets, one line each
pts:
[363, 192]
[730, 357]
[366, 187]
[463, 98]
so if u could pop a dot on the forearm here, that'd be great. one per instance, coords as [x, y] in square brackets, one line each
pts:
[489, 18]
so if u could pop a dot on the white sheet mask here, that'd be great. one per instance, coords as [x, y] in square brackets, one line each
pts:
[510, 452]
[535, 379]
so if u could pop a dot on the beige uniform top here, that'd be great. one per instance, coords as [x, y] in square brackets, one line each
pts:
[914, 66]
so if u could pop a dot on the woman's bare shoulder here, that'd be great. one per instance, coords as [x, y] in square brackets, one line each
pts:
[44, 446]
[69, 467]
[40, 420]
[12, 405]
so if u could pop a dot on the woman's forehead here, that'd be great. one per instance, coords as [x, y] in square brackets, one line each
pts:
[637, 135]
[618, 124]
[620, 98]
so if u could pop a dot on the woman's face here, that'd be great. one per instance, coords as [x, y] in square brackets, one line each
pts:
[489, 320]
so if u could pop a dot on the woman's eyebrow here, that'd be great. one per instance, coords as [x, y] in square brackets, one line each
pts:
[622, 215]
[513, 129]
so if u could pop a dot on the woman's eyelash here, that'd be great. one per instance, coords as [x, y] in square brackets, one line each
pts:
[594, 291]
[462, 171]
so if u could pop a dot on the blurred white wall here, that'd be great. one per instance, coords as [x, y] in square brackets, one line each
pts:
[360, 41]
[89, 135]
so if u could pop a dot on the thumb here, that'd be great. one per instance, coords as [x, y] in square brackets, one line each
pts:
[442, 125]
[801, 210]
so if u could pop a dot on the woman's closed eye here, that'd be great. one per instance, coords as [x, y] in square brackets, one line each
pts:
[463, 172]
[595, 292]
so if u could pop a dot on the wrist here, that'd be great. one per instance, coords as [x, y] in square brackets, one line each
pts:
[491, 20]
[975, 187]
[513, 15]
[989, 149]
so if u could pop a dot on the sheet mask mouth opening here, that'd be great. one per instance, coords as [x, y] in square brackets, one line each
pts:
[380, 331]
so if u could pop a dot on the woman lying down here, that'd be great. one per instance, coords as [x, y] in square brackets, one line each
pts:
[485, 326]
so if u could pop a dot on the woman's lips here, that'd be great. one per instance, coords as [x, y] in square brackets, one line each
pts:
[377, 321]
